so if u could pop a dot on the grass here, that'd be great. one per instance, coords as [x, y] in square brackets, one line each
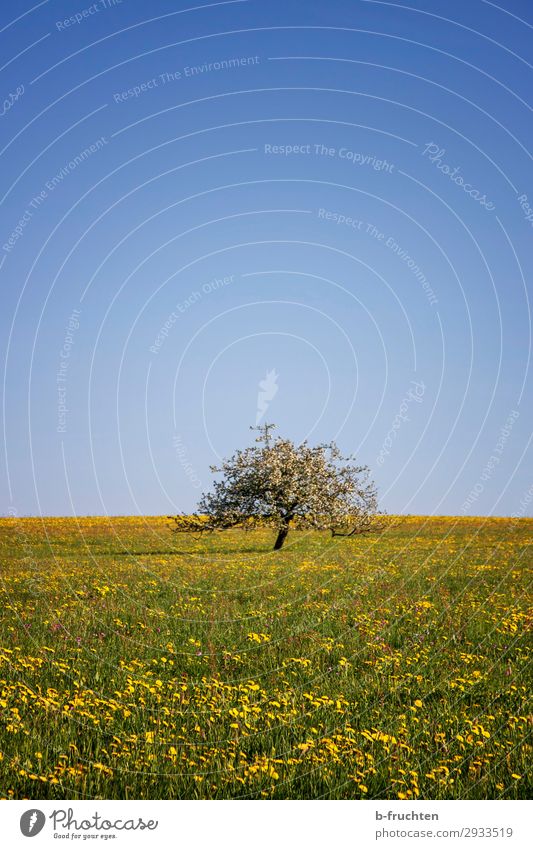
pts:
[140, 664]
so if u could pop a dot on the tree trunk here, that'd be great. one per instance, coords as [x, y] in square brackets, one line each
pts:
[282, 535]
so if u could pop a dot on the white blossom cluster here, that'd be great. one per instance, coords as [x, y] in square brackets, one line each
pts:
[280, 484]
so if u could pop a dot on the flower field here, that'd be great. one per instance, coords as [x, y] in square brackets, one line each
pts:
[140, 664]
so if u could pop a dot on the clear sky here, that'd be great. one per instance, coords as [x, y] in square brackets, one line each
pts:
[313, 213]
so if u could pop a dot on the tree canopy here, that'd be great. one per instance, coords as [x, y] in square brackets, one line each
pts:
[280, 484]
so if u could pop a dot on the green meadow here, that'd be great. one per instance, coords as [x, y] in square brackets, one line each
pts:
[137, 663]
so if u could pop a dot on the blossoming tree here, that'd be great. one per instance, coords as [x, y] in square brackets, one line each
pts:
[282, 485]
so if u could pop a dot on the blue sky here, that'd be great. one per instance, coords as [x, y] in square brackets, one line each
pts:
[333, 200]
